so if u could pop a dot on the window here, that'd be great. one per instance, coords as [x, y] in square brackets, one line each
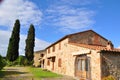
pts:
[48, 62]
[42, 55]
[53, 48]
[81, 65]
[59, 62]
[48, 50]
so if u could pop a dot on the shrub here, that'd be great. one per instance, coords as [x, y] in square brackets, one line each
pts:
[109, 78]
[20, 61]
[2, 62]
[28, 63]
[9, 63]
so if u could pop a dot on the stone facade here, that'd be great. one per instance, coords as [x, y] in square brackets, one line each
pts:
[80, 55]
[88, 37]
[110, 64]
[38, 56]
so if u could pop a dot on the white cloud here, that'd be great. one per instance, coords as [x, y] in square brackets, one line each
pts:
[68, 18]
[4, 40]
[24, 10]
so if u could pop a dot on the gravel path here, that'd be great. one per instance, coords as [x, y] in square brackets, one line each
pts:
[17, 73]
[22, 73]
[61, 78]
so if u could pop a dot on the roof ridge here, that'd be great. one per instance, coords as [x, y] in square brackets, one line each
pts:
[75, 34]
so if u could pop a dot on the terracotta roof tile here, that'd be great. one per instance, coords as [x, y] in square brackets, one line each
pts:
[96, 47]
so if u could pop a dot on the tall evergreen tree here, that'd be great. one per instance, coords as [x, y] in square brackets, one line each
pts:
[30, 43]
[13, 47]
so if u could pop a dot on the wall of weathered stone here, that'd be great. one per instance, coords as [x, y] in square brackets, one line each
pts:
[88, 38]
[95, 65]
[67, 55]
[68, 51]
[36, 59]
[95, 61]
[59, 53]
[110, 64]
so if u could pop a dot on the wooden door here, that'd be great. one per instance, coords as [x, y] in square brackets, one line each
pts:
[82, 67]
[53, 61]
[52, 65]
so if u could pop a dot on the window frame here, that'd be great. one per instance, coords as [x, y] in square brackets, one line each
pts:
[53, 48]
[48, 50]
[48, 62]
[59, 62]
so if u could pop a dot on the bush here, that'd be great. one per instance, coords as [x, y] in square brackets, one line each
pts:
[18, 62]
[28, 63]
[2, 62]
[8, 63]
[109, 78]
[21, 61]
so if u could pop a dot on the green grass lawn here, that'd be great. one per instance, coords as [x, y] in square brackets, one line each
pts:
[41, 73]
[37, 73]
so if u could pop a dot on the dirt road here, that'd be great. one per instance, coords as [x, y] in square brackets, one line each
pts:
[22, 73]
[16, 73]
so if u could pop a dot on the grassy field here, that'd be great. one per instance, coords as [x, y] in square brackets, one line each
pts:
[26, 73]
[41, 73]
[30, 73]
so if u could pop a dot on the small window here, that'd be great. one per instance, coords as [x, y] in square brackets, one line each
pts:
[59, 62]
[48, 62]
[53, 48]
[42, 55]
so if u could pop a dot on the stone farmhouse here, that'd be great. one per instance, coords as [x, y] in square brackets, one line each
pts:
[85, 55]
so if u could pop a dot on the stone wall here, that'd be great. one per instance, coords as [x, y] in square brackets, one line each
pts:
[36, 59]
[67, 56]
[111, 64]
[66, 53]
[88, 38]
[95, 65]
[59, 53]
[95, 60]
[38, 56]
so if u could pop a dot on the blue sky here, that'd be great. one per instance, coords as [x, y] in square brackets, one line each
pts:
[54, 19]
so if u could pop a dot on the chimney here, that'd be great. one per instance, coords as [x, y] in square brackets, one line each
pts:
[109, 45]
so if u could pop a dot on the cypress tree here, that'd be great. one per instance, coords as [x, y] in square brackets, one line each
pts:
[13, 47]
[30, 43]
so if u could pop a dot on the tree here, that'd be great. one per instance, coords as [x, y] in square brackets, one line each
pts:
[2, 62]
[29, 49]
[13, 47]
